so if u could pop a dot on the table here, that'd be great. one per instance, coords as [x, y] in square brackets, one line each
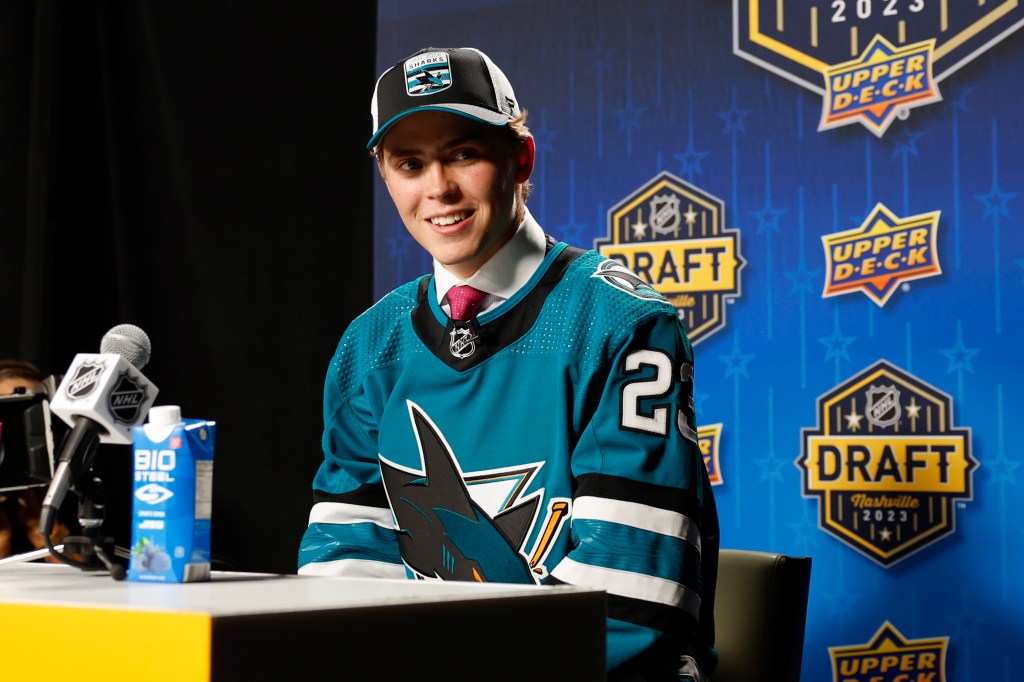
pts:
[58, 621]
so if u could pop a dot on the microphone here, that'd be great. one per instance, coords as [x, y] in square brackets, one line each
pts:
[101, 398]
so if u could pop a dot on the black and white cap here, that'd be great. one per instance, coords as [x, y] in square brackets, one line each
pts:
[462, 80]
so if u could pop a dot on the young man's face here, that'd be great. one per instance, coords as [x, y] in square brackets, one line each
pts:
[453, 181]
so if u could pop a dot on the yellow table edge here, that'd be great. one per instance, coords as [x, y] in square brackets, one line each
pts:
[104, 643]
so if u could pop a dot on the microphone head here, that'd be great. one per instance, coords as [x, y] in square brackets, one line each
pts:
[129, 342]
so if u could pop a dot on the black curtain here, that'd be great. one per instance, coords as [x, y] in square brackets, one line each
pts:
[197, 169]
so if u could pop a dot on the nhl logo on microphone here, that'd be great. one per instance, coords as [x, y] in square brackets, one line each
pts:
[126, 399]
[85, 380]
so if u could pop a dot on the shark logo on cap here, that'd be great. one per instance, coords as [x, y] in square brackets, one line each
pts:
[428, 73]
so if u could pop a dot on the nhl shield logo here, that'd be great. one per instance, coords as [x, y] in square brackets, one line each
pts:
[886, 463]
[428, 73]
[127, 399]
[85, 380]
[883, 406]
[463, 342]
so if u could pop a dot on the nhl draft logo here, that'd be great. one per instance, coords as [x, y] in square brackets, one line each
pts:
[85, 380]
[880, 254]
[427, 74]
[871, 60]
[127, 399]
[708, 438]
[463, 342]
[672, 235]
[886, 463]
[890, 657]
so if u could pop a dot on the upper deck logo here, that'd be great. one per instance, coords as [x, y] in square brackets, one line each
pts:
[673, 236]
[880, 254]
[871, 60]
[890, 657]
[886, 463]
[709, 437]
[883, 83]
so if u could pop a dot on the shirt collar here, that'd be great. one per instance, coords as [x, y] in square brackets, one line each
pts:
[508, 269]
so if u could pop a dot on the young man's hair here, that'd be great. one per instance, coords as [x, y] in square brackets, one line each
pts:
[20, 369]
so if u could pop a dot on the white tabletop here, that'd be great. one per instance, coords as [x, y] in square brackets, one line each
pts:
[236, 593]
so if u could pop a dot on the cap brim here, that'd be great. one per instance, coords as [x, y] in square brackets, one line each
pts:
[468, 110]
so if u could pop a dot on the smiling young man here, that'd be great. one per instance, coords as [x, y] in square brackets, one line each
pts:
[522, 414]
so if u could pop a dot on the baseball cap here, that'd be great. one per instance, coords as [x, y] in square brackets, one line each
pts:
[462, 80]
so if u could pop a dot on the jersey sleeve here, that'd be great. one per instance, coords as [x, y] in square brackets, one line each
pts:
[351, 527]
[644, 525]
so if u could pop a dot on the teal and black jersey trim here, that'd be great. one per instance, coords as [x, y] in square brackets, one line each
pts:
[549, 440]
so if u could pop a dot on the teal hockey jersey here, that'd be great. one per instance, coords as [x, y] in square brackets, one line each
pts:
[549, 440]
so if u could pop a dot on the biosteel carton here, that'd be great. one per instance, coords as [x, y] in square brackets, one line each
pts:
[173, 498]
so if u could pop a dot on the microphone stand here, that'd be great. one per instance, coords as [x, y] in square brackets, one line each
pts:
[95, 550]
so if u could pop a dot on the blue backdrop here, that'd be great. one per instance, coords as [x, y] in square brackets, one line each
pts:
[858, 363]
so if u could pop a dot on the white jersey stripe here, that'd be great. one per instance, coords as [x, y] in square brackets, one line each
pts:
[354, 568]
[627, 584]
[637, 515]
[338, 512]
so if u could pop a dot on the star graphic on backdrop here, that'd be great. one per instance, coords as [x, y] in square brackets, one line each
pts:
[640, 229]
[965, 623]
[571, 231]
[837, 344]
[733, 118]
[771, 467]
[1002, 469]
[913, 409]
[399, 244]
[698, 402]
[802, 279]
[995, 201]
[959, 355]
[905, 142]
[768, 217]
[805, 531]
[885, 535]
[958, 98]
[690, 216]
[629, 116]
[689, 161]
[842, 602]
[853, 420]
[542, 138]
[736, 362]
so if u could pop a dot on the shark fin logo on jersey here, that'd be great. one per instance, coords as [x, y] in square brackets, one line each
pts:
[672, 236]
[884, 52]
[448, 532]
[709, 437]
[891, 657]
[883, 83]
[619, 276]
[882, 253]
[426, 74]
[886, 463]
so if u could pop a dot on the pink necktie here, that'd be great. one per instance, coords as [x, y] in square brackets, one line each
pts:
[465, 301]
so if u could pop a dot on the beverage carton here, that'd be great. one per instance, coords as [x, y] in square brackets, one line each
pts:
[173, 498]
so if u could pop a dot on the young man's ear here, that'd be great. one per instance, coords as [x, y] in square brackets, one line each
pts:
[525, 156]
